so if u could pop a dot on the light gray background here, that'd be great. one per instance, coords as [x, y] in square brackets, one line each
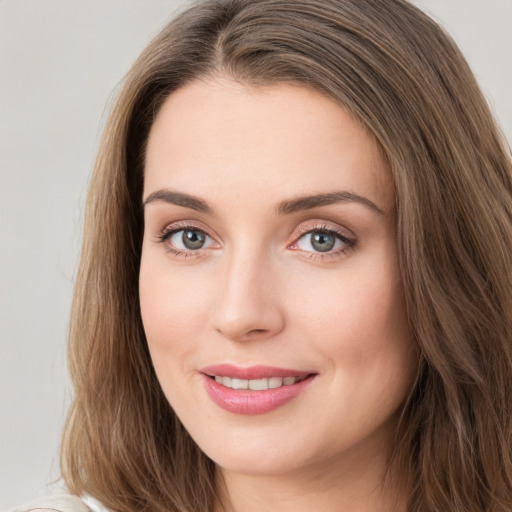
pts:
[60, 62]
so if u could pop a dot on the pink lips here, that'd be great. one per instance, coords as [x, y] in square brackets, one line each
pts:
[253, 402]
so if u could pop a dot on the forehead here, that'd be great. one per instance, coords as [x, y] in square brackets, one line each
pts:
[285, 139]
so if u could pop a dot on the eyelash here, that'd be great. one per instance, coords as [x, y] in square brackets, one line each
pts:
[350, 243]
[169, 231]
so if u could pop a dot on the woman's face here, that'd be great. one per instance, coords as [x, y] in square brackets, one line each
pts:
[269, 284]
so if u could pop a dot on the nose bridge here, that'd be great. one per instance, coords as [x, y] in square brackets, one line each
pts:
[247, 304]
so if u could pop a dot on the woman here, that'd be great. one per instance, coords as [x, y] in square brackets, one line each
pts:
[294, 290]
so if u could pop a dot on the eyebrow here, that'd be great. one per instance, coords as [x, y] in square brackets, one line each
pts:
[317, 200]
[283, 208]
[179, 199]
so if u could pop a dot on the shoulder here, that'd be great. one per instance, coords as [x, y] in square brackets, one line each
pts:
[55, 503]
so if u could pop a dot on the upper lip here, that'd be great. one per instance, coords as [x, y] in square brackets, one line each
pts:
[251, 372]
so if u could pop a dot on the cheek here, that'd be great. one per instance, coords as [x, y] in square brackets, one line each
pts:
[359, 324]
[358, 304]
[173, 313]
[372, 357]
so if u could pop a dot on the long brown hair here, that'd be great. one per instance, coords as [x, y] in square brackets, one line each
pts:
[398, 73]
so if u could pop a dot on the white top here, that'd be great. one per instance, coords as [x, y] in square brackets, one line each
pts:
[62, 503]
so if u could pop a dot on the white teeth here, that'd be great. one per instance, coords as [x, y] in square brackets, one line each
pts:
[275, 382]
[256, 384]
[225, 381]
[239, 383]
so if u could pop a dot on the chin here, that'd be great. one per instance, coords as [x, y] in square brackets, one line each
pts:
[256, 462]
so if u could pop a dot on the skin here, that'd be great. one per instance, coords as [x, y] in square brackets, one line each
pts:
[259, 292]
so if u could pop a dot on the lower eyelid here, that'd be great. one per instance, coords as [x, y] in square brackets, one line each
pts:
[324, 256]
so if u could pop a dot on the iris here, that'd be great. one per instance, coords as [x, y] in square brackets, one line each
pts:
[193, 239]
[322, 242]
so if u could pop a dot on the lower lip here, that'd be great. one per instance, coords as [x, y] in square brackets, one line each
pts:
[245, 401]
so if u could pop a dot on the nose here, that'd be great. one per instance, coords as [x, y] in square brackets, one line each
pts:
[248, 305]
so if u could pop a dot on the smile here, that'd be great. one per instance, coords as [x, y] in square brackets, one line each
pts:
[254, 390]
[257, 384]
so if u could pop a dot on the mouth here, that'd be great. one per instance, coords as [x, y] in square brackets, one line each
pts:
[254, 390]
[256, 384]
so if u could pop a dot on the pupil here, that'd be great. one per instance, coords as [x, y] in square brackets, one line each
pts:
[193, 239]
[323, 242]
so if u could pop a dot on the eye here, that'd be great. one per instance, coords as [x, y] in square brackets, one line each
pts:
[317, 241]
[186, 239]
[191, 239]
[323, 241]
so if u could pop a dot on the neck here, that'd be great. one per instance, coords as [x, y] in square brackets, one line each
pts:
[358, 484]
